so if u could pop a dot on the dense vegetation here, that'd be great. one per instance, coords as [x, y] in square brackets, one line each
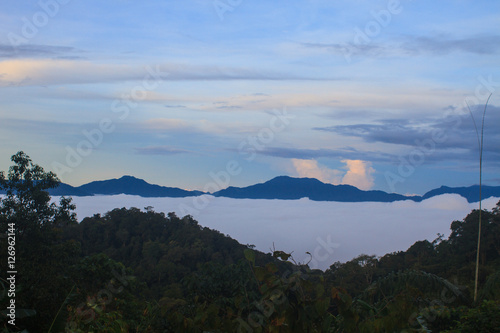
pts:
[134, 270]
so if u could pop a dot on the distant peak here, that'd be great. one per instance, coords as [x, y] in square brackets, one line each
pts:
[295, 178]
[132, 180]
[128, 177]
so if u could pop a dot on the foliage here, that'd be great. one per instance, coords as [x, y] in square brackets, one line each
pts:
[482, 319]
[27, 201]
[293, 300]
[41, 254]
[142, 271]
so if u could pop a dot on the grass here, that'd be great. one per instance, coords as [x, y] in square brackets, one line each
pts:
[480, 144]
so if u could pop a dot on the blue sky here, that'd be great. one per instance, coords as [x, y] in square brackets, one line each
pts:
[368, 93]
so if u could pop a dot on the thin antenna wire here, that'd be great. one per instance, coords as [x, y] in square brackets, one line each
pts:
[480, 194]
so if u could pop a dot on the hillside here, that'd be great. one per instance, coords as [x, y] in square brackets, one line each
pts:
[140, 271]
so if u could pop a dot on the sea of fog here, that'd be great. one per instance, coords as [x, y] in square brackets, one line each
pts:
[330, 231]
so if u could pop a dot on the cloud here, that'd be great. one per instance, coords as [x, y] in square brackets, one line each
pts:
[181, 126]
[175, 106]
[66, 71]
[396, 131]
[35, 51]
[348, 229]
[339, 154]
[225, 105]
[359, 174]
[159, 150]
[350, 49]
[49, 129]
[167, 124]
[311, 169]
[437, 45]
[441, 45]
[456, 132]
[31, 72]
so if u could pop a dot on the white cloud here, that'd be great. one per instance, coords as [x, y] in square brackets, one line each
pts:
[359, 173]
[165, 124]
[303, 225]
[27, 72]
[311, 169]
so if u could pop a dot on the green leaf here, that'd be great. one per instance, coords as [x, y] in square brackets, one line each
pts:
[271, 267]
[320, 290]
[322, 306]
[260, 273]
[281, 255]
[250, 255]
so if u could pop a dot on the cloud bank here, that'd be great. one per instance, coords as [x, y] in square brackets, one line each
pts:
[48, 71]
[330, 231]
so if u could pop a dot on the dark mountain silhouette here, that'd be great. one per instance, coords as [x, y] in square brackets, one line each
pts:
[124, 185]
[68, 190]
[471, 193]
[135, 186]
[285, 187]
[282, 187]
[64, 190]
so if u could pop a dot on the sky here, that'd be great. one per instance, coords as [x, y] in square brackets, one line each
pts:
[335, 231]
[184, 93]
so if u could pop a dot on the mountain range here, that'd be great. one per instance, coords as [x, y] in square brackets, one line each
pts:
[282, 187]
[124, 185]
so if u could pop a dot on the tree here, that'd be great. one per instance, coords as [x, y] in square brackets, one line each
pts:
[41, 254]
[27, 202]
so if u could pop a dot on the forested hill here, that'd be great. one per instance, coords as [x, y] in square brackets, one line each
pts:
[162, 250]
[168, 274]
[133, 270]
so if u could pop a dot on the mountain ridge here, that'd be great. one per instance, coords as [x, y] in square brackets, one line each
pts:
[281, 187]
[135, 186]
[288, 188]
